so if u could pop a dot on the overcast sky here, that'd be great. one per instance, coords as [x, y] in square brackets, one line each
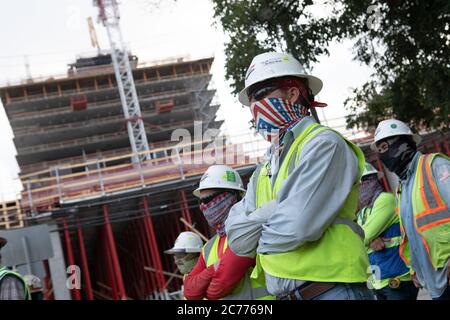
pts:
[51, 33]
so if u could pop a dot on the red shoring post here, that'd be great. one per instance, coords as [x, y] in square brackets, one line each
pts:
[149, 253]
[109, 268]
[169, 236]
[447, 150]
[76, 295]
[171, 243]
[114, 256]
[126, 265]
[151, 232]
[146, 256]
[130, 264]
[47, 281]
[84, 263]
[141, 276]
[184, 205]
[385, 183]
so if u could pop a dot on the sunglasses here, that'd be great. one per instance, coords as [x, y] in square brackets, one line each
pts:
[383, 146]
[208, 199]
[261, 92]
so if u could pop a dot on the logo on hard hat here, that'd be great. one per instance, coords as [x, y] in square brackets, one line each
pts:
[393, 126]
[271, 61]
[229, 176]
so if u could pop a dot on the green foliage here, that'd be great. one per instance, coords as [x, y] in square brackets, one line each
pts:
[406, 42]
[257, 26]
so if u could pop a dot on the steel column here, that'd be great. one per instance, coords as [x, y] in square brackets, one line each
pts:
[185, 207]
[113, 253]
[70, 257]
[84, 263]
[151, 233]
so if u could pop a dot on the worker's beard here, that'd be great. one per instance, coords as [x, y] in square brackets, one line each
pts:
[216, 211]
[186, 263]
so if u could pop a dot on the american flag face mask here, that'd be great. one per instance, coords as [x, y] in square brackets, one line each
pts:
[275, 116]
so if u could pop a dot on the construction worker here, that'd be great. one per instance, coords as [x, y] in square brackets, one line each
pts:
[299, 210]
[35, 285]
[219, 273]
[422, 205]
[391, 278]
[12, 285]
[186, 251]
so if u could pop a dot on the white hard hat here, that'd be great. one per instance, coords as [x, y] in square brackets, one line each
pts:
[186, 242]
[32, 281]
[220, 177]
[273, 65]
[391, 128]
[370, 169]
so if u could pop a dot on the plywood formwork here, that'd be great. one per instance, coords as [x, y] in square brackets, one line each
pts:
[11, 215]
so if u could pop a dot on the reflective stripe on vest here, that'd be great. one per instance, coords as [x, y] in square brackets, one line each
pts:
[436, 211]
[431, 214]
[246, 289]
[328, 258]
[6, 272]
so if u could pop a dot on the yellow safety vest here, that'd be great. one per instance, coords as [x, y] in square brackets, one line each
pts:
[339, 255]
[6, 272]
[431, 215]
[246, 289]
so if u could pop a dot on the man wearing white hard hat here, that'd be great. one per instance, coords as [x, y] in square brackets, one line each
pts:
[423, 197]
[219, 273]
[12, 284]
[391, 278]
[298, 214]
[186, 251]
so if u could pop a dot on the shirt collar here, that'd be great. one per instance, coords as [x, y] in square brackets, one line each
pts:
[412, 165]
[300, 127]
[293, 134]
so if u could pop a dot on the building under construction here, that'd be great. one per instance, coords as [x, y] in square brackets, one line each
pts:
[112, 216]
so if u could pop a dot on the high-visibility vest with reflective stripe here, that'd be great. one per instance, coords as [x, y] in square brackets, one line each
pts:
[386, 264]
[6, 272]
[431, 214]
[339, 255]
[246, 289]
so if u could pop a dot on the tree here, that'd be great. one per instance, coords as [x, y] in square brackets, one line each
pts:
[406, 43]
[258, 26]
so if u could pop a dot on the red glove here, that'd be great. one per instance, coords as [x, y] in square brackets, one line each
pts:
[198, 280]
[230, 271]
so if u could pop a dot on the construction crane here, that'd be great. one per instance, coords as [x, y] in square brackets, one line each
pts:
[109, 16]
[93, 35]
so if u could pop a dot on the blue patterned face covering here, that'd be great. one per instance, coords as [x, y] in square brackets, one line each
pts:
[275, 116]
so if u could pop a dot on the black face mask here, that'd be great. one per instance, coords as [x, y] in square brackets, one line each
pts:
[399, 154]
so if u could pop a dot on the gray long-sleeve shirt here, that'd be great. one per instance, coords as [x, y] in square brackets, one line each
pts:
[307, 203]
